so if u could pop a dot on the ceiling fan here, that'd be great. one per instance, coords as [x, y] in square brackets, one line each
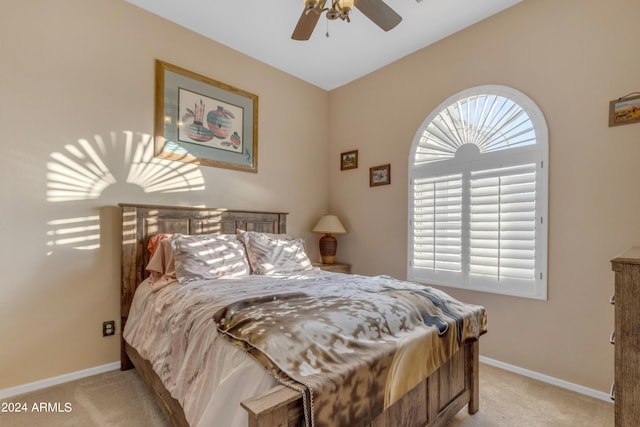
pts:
[376, 10]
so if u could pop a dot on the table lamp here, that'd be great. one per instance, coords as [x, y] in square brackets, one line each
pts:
[329, 225]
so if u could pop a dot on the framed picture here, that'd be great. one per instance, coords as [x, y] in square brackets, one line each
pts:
[349, 160]
[380, 175]
[625, 110]
[203, 121]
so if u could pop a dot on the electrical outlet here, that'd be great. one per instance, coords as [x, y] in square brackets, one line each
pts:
[108, 328]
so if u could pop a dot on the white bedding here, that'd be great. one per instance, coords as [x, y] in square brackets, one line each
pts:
[231, 375]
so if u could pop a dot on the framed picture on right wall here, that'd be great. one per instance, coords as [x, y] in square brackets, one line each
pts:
[625, 110]
[380, 175]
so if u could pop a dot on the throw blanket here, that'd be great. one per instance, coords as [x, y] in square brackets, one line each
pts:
[352, 345]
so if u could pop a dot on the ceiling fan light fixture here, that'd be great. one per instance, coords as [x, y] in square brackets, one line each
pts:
[340, 9]
[345, 6]
[310, 4]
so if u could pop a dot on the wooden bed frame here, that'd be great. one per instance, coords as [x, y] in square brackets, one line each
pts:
[434, 402]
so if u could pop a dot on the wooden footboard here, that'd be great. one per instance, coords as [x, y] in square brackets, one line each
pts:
[433, 403]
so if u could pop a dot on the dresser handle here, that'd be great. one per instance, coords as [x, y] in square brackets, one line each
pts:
[612, 337]
[612, 300]
[612, 392]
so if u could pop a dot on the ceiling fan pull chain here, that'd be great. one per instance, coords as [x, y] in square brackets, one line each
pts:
[327, 34]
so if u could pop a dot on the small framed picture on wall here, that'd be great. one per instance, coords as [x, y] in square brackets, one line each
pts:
[625, 110]
[380, 175]
[349, 160]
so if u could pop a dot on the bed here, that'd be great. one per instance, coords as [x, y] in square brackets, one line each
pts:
[432, 402]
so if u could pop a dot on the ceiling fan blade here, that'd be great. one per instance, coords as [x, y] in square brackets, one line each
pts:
[306, 24]
[378, 11]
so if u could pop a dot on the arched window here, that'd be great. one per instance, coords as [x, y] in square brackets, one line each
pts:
[478, 194]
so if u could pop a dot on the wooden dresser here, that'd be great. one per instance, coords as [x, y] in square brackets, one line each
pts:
[626, 393]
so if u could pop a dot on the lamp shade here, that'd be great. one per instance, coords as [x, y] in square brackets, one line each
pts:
[329, 224]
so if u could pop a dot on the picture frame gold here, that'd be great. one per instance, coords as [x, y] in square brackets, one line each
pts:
[203, 121]
[380, 175]
[625, 110]
[349, 160]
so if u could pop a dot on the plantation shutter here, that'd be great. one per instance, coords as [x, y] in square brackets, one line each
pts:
[478, 194]
[437, 223]
[502, 225]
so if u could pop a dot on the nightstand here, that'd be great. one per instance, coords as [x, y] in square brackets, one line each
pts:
[336, 267]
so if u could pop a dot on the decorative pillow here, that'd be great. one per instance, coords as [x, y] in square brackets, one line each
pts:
[161, 266]
[208, 256]
[244, 235]
[275, 256]
[154, 242]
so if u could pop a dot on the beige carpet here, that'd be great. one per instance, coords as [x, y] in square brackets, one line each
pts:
[112, 399]
[120, 399]
[511, 400]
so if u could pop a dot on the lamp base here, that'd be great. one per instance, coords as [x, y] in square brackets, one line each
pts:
[328, 247]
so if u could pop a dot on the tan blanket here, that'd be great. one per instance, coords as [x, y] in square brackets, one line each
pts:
[352, 345]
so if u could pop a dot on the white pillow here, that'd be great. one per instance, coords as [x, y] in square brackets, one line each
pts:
[269, 255]
[244, 235]
[208, 256]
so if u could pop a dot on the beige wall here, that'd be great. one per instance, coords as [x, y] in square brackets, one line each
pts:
[571, 57]
[77, 76]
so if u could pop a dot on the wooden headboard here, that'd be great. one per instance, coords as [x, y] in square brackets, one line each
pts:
[139, 222]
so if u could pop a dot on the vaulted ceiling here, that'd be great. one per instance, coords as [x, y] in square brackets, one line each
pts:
[337, 52]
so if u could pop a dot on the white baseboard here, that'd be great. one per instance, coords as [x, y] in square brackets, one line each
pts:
[48, 382]
[37, 385]
[547, 379]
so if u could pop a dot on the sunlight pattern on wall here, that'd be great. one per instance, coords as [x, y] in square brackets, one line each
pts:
[77, 174]
[82, 171]
[81, 233]
[156, 175]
